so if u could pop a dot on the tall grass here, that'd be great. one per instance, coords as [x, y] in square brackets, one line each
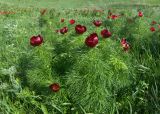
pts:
[100, 80]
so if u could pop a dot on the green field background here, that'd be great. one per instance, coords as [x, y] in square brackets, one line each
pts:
[76, 3]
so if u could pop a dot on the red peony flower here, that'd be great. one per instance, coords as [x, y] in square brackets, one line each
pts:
[114, 16]
[97, 23]
[36, 40]
[125, 44]
[110, 16]
[92, 40]
[55, 87]
[64, 30]
[123, 41]
[62, 20]
[72, 21]
[105, 33]
[140, 14]
[80, 29]
[126, 47]
[152, 29]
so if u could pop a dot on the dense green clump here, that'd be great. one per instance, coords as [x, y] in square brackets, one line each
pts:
[97, 76]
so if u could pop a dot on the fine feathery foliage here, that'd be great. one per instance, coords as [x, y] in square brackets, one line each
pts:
[97, 77]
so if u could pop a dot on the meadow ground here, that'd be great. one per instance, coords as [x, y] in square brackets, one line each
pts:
[58, 4]
[110, 76]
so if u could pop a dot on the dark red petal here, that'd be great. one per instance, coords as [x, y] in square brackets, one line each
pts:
[93, 35]
[80, 29]
[55, 87]
[126, 47]
[105, 33]
[97, 23]
[36, 40]
[123, 41]
[92, 40]
[72, 21]
[154, 22]
[152, 29]
[64, 30]
[84, 28]
[140, 14]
